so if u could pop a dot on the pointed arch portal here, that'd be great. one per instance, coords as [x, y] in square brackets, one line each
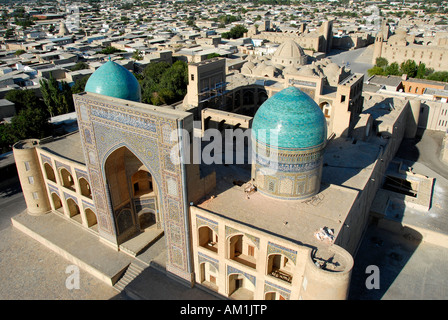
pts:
[130, 184]
[134, 184]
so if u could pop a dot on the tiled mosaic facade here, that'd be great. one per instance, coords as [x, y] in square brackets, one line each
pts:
[289, 137]
[288, 174]
[107, 126]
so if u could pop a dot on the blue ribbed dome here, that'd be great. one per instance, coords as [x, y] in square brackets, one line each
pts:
[299, 120]
[114, 80]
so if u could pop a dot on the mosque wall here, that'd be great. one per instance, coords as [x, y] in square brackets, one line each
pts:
[267, 267]
[400, 51]
[30, 176]
[58, 184]
[108, 124]
[354, 226]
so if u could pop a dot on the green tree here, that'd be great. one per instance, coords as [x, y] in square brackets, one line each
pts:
[24, 99]
[175, 80]
[235, 33]
[421, 71]
[409, 67]
[30, 123]
[438, 76]
[381, 62]
[6, 138]
[57, 98]
[80, 65]
[163, 83]
[375, 71]
[80, 85]
[393, 69]
[110, 50]
[19, 52]
[137, 55]
[213, 55]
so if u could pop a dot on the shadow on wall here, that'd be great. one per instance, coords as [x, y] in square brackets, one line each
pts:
[390, 252]
[387, 244]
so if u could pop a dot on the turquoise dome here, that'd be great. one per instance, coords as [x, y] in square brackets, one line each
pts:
[298, 119]
[114, 80]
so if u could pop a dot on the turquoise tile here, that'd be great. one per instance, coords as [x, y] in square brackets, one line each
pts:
[298, 119]
[114, 80]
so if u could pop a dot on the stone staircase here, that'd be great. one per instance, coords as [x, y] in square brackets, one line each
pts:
[152, 257]
[132, 272]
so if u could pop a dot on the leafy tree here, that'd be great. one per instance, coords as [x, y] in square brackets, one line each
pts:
[438, 76]
[24, 99]
[80, 85]
[393, 69]
[213, 55]
[9, 33]
[30, 123]
[110, 50]
[375, 71]
[235, 33]
[164, 84]
[381, 62]
[421, 71]
[137, 55]
[80, 65]
[57, 98]
[6, 138]
[19, 52]
[409, 67]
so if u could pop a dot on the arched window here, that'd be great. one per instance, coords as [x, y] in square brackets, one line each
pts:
[208, 238]
[67, 179]
[49, 172]
[57, 203]
[85, 188]
[242, 250]
[280, 267]
[73, 208]
[91, 218]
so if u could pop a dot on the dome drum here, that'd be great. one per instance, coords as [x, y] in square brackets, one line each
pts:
[288, 174]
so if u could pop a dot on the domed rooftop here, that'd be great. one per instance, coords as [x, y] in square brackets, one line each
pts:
[298, 119]
[289, 50]
[114, 80]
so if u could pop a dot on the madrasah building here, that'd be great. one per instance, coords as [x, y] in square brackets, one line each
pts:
[283, 229]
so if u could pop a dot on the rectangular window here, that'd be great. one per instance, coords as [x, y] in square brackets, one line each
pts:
[192, 77]
[31, 180]
[27, 166]
[342, 98]
[250, 251]
[35, 195]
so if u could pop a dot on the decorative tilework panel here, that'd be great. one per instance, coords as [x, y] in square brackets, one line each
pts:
[278, 249]
[232, 270]
[204, 258]
[202, 221]
[269, 287]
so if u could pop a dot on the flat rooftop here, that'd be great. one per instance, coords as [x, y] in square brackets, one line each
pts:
[294, 220]
[68, 147]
